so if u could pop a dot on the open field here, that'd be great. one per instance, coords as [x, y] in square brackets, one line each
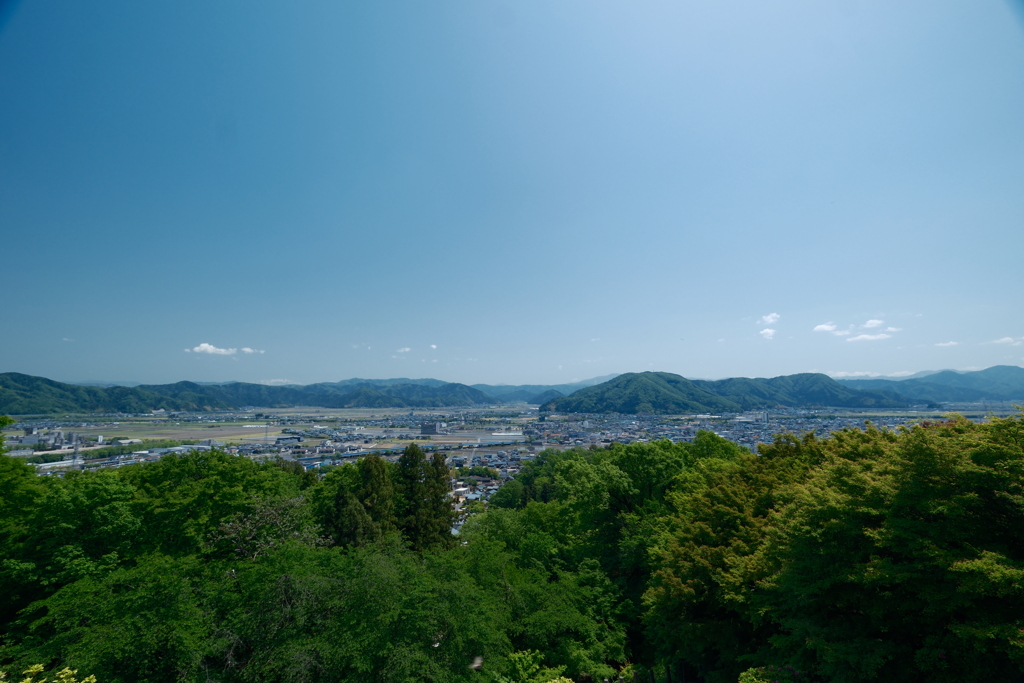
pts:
[248, 428]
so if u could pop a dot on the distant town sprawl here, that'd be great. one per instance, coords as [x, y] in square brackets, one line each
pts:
[303, 437]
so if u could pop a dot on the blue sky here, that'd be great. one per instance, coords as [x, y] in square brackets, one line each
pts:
[528, 192]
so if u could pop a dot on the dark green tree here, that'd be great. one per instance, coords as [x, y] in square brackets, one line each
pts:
[440, 507]
[355, 503]
[377, 494]
[426, 513]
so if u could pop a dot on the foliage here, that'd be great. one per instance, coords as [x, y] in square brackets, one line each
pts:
[63, 676]
[527, 667]
[869, 555]
[772, 674]
[268, 525]
[478, 471]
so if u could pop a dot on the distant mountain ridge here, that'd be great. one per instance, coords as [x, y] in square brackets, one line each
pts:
[997, 383]
[24, 395]
[667, 393]
[511, 393]
[653, 392]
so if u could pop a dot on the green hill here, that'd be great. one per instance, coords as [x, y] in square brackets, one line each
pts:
[643, 392]
[541, 399]
[666, 393]
[800, 390]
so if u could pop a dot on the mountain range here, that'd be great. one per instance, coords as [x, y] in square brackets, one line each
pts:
[997, 383]
[645, 392]
[24, 394]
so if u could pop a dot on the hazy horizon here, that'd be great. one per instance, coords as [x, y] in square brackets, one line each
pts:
[510, 193]
[577, 380]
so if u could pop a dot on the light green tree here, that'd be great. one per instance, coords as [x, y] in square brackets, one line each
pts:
[65, 675]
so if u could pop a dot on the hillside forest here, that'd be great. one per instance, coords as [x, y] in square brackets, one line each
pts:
[871, 555]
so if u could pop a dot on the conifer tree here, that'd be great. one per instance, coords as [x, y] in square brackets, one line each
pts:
[441, 512]
[426, 516]
[377, 494]
[363, 506]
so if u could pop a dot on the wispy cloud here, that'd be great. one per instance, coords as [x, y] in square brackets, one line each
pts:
[873, 323]
[211, 349]
[433, 346]
[246, 349]
[770, 319]
[276, 382]
[949, 343]
[767, 333]
[404, 349]
[67, 339]
[869, 337]
[893, 329]
[832, 328]
[1007, 340]
[868, 373]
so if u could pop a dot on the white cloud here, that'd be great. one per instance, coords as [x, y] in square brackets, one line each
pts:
[276, 382]
[949, 343]
[869, 337]
[893, 329]
[901, 373]
[68, 339]
[873, 323]
[596, 339]
[404, 349]
[767, 333]
[825, 327]
[1004, 340]
[841, 333]
[246, 349]
[210, 348]
[433, 346]
[770, 319]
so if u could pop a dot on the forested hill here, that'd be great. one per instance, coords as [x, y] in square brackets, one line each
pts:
[666, 393]
[998, 383]
[24, 394]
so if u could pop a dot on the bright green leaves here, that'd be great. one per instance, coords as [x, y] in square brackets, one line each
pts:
[148, 622]
[182, 500]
